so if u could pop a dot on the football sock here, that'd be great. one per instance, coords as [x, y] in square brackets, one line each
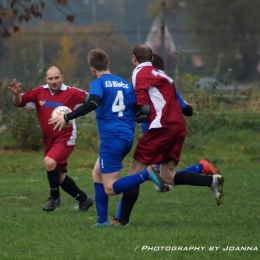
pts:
[101, 202]
[196, 169]
[54, 182]
[69, 186]
[128, 199]
[189, 178]
[130, 181]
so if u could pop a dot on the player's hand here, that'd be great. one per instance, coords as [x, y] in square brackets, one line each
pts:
[15, 87]
[59, 121]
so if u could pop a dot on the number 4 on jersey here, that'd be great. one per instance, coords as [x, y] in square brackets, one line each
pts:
[118, 104]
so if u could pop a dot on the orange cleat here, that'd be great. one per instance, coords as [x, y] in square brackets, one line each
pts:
[208, 167]
[115, 222]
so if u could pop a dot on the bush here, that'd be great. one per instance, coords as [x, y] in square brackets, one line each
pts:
[23, 123]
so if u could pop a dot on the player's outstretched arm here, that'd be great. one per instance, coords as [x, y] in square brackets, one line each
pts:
[16, 89]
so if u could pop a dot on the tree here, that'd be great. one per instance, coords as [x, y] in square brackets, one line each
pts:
[228, 27]
[231, 28]
[15, 12]
[67, 58]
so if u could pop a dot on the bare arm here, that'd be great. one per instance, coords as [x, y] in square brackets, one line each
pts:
[16, 89]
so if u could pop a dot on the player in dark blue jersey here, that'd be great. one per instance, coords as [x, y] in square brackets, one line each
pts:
[113, 99]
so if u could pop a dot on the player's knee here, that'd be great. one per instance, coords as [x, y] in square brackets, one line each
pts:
[49, 163]
[109, 190]
[96, 176]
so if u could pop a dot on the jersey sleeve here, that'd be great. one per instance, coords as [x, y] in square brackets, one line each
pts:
[96, 88]
[141, 90]
[79, 96]
[29, 97]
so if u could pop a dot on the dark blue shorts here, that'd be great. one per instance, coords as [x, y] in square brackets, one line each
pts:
[111, 154]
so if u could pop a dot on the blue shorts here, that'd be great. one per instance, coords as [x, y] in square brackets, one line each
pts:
[111, 154]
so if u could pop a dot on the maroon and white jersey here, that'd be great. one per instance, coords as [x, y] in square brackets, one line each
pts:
[44, 101]
[155, 88]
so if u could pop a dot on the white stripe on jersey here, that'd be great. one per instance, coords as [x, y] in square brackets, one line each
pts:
[73, 136]
[158, 102]
[30, 105]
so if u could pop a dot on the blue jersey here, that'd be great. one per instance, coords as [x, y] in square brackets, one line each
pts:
[114, 115]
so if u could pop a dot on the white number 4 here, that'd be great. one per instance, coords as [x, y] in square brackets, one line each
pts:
[118, 105]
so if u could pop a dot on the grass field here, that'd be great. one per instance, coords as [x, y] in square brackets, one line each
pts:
[184, 224]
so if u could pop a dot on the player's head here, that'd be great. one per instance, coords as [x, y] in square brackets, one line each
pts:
[158, 62]
[141, 53]
[54, 78]
[98, 61]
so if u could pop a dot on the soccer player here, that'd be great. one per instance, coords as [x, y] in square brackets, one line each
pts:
[113, 99]
[204, 166]
[162, 143]
[58, 145]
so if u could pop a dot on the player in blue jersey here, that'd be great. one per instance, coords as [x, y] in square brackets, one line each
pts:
[113, 99]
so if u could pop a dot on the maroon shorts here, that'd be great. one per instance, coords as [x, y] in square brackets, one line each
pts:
[60, 153]
[159, 146]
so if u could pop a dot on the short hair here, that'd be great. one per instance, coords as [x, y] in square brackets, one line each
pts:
[98, 59]
[143, 53]
[158, 61]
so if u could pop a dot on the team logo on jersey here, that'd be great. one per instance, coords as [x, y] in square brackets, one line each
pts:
[50, 104]
[115, 84]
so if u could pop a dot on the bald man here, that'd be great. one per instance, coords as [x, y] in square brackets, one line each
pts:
[58, 145]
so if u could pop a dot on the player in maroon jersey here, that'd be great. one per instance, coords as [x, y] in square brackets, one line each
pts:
[162, 142]
[58, 145]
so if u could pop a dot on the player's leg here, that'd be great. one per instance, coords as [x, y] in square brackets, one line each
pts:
[101, 198]
[129, 197]
[112, 152]
[143, 156]
[70, 187]
[53, 176]
[204, 166]
[60, 153]
[171, 158]
[215, 182]
[111, 162]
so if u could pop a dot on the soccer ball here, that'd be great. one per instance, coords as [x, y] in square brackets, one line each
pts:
[61, 109]
[168, 187]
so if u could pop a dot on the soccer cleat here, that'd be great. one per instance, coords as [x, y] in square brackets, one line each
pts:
[115, 222]
[217, 188]
[208, 167]
[155, 177]
[97, 224]
[85, 205]
[51, 204]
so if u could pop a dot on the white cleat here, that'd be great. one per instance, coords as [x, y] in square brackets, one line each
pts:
[217, 188]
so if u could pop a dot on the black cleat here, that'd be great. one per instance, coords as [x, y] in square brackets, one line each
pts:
[85, 205]
[51, 204]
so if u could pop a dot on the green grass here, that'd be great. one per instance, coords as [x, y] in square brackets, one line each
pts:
[184, 217]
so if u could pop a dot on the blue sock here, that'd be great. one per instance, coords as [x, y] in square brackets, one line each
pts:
[196, 169]
[130, 181]
[117, 216]
[101, 201]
